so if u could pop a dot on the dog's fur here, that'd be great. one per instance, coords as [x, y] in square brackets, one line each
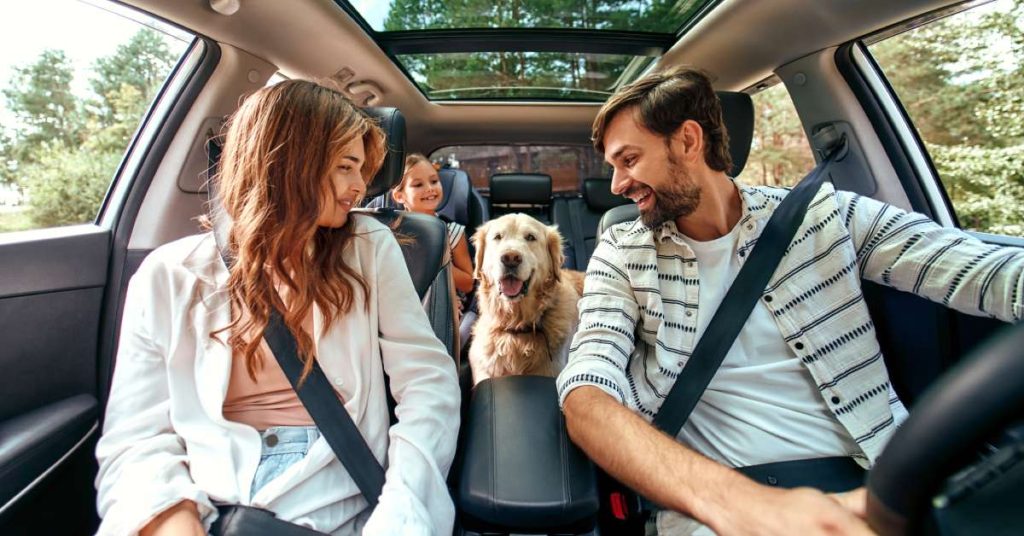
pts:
[528, 333]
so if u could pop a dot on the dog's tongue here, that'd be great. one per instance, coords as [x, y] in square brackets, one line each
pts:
[511, 286]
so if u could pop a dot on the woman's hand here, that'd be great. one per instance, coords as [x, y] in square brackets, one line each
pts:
[182, 519]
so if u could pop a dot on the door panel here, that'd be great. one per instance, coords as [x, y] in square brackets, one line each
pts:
[51, 297]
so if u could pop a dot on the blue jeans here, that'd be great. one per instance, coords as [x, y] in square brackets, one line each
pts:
[282, 447]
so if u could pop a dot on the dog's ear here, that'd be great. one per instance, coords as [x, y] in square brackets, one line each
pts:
[555, 251]
[479, 239]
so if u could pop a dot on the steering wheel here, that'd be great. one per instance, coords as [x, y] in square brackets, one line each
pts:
[972, 401]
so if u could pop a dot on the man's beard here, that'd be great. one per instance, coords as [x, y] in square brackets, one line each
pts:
[678, 197]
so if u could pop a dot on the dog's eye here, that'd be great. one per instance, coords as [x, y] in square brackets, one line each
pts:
[530, 237]
[497, 236]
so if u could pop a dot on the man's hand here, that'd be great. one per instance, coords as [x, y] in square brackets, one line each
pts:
[855, 501]
[182, 519]
[767, 511]
[666, 472]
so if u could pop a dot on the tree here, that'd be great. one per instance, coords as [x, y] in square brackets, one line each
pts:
[142, 64]
[66, 186]
[64, 151]
[47, 111]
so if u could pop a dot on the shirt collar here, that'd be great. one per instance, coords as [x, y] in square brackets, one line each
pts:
[755, 206]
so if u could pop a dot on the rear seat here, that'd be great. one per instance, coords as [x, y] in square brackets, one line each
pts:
[577, 219]
[462, 203]
[528, 193]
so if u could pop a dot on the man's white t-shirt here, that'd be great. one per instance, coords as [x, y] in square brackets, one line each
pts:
[762, 405]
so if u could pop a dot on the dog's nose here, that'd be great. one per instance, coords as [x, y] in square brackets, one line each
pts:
[511, 259]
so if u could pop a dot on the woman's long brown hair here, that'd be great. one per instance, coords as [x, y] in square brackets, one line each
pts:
[280, 147]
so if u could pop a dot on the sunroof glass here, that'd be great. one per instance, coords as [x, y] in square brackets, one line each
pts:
[637, 16]
[522, 75]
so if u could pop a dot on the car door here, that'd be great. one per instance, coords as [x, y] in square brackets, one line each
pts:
[90, 94]
[943, 92]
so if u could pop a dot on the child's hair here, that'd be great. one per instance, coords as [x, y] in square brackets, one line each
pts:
[411, 160]
[280, 147]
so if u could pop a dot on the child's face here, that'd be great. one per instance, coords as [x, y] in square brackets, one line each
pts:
[346, 177]
[422, 191]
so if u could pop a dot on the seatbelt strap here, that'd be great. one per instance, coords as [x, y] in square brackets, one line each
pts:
[315, 393]
[739, 301]
[330, 416]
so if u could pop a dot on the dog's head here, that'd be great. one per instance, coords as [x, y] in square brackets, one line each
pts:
[516, 253]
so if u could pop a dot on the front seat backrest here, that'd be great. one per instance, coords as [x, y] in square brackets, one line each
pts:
[392, 122]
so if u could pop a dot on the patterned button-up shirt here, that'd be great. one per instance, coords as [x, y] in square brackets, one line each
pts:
[637, 327]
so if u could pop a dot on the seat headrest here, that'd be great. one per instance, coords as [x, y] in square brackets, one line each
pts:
[392, 122]
[597, 194]
[521, 188]
[738, 115]
[617, 215]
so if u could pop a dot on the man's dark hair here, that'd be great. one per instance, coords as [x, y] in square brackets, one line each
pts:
[663, 101]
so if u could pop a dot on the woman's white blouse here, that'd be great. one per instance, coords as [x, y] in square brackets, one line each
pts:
[165, 438]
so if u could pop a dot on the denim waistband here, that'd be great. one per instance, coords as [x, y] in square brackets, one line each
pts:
[288, 439]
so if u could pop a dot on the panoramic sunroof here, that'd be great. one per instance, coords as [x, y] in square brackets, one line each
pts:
[637, 16]
[575, 50]
[522, 75]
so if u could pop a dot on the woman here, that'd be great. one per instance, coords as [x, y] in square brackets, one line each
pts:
[201, 413]
[421, 191]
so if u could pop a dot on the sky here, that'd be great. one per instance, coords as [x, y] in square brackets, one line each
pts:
[84, 30]
[374, 11]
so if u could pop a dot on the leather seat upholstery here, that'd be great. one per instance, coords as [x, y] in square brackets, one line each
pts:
[392, 122]
[578, 218]
[528, 193]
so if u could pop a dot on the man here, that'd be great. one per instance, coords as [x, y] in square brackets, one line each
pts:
[804, 379]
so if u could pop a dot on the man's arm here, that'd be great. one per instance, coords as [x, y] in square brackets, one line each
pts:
[909, 252]
[666, 472]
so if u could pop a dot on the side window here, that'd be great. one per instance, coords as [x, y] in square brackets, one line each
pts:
[961, 81]
[779, 152]
[567, 164]
[75, 81]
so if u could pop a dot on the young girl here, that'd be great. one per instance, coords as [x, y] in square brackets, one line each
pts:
[200, 412]
[420, 191]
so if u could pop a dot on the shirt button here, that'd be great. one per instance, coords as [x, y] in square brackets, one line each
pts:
[772, 481]
[689, 313]
[750, 226]
[835, 399]
[743, 254]
[799, 345]
[768, 298]
[338, 381]
[271, 440]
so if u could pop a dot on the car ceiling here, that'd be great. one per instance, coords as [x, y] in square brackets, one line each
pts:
[741, 42]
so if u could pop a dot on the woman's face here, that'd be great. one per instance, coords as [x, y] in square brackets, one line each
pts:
[422, 191]
[349, 187]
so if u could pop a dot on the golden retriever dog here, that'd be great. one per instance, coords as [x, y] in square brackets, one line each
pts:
[527, 301]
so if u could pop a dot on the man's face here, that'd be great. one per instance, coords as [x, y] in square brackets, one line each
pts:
[647, 170]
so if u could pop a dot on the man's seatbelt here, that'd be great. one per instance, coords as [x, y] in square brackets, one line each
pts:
[739, 300]
[315, 393]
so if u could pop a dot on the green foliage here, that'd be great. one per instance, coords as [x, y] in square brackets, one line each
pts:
[66, 186]
[139, 65]
[65, 150]
[985, 185]
[546, 75]
[779, 152]
[47, 111]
